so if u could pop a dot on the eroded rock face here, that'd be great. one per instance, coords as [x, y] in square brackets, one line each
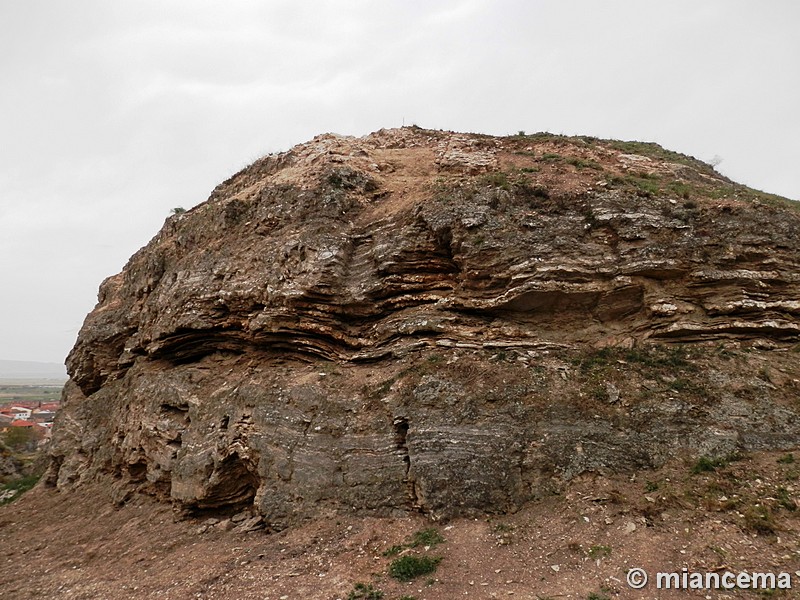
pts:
[411, 321]
[10, 467]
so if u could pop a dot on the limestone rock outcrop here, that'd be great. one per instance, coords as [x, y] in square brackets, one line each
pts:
[429, 321]
[10, 466]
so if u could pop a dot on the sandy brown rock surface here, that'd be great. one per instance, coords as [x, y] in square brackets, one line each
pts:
[410, 321]
[520, 335]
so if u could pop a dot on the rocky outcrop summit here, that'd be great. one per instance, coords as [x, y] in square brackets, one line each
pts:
[428, 321]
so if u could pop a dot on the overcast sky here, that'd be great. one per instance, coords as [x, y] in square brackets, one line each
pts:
[115, 112]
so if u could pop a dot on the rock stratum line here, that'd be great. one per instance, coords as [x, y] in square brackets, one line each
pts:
[428, 321]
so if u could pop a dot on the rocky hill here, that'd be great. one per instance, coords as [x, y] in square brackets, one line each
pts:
[430, 322]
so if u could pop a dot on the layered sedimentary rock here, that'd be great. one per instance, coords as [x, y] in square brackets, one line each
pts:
[437, 322]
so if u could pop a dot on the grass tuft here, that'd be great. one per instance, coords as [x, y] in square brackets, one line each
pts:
[407, 568]
[365, 591]
[706, 464]
[426, 537]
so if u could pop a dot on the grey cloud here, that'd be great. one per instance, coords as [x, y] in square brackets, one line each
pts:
[115, 112]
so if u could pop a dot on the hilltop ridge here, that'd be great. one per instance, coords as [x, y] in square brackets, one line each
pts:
[349, 324]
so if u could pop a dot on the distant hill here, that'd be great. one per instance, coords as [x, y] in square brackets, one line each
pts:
[21, 369]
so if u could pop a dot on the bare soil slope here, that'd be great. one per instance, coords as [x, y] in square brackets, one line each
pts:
[740, 517]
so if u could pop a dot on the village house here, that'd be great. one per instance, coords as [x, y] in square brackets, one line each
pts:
[42, 416]
[21, 412]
